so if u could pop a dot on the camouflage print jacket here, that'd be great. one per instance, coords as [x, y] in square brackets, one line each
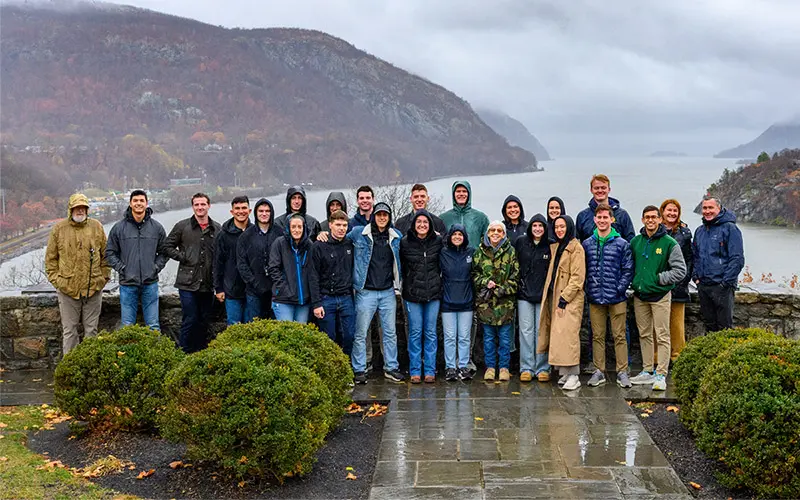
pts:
[495, 306]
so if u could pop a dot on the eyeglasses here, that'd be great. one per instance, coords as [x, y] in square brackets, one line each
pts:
[495, 230]
[652, 217]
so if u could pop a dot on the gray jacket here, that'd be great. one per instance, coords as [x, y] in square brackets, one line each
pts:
[137, 251]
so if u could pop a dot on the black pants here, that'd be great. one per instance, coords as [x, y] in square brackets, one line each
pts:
[196, 308]
[716, 306]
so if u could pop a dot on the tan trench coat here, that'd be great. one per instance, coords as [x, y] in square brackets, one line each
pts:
[559, 334]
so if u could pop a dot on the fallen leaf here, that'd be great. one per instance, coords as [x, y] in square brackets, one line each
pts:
[644, 415]
[176, 464]
[3, 426]
[2, 436]
[243, 460]
[349, 468]
[673, 409]
[120, 354]
[3, 459]
[242, 483]
[373, 397]
[37, 380]
[354, 408]
[695, 485]
[630, 403]
[145, 474]
[515, 393]
[44, 405]
[621, 463]
[479, 419]
[131, 467]
[351, 476]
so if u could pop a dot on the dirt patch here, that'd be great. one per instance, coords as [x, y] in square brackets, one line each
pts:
[353, 444]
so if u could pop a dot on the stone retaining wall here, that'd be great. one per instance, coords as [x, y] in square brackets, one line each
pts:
[30, 328]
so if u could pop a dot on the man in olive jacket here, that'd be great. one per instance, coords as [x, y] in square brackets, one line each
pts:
[76, 266]
[191, 243]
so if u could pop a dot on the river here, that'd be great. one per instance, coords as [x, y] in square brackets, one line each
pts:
[636, 182]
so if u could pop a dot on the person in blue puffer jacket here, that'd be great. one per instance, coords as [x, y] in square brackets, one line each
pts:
[609, 271]
[455, 261]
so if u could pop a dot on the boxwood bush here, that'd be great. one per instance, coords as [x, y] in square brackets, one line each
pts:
[117, 379]
[313, 348]
[747, 415]
[248, 407]
[695, 359]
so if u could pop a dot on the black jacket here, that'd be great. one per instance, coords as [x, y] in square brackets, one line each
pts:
[551, 235]
[252, 253]
[226, 273]
[683, 235]
[456, 264]
[282, 222]
[419, 262]
[136, 250]
[534, 259]
[331, 270]
[404, 223]
[514, 231]
[334, 196]
[193, 248]
[288, 268]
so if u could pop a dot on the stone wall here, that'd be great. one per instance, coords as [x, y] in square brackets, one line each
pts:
[30, 328]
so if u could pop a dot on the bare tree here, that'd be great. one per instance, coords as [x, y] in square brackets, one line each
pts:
[398, 197]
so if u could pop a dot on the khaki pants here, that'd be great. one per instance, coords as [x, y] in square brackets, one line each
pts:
[75, 312]
[597, 316]
[677, 330]
[652, 319]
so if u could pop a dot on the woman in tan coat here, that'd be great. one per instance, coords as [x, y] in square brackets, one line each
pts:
[562, 304]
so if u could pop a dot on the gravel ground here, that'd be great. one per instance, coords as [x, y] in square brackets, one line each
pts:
[353, 444]
[691, 464]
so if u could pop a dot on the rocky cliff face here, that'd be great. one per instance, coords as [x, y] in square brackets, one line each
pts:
[515, 132]
[776, 138]
[111, 92]
[767, 192]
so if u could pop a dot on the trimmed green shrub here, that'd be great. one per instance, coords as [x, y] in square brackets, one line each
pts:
[117, 378]
[248, 407]
[696, 357]
[313, 348]
[748, 416]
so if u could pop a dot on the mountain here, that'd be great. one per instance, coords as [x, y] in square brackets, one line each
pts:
[515, 132]
[116, 95]
[767, 192]
[778, 137]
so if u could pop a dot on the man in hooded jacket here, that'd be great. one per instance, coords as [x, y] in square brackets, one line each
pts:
[252, 258]
[76, 266]
[336, 201]
[296, 203]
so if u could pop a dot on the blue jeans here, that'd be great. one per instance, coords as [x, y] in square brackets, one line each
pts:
[422, 318]
[196, 308]
[529, 361]
[497, 338]
[129, 296]
[258, 306]
[291, 312]
[367, 303]
[457, 328]
[339, 312]
[234, 310]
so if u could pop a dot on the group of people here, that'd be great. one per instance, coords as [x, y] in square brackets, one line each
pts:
[526, 282]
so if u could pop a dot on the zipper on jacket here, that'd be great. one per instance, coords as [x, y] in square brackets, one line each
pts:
[91, 260]
[297, 265]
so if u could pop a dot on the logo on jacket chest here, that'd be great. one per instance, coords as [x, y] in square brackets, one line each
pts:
[349, 252]
[659, 251]
[469, 259]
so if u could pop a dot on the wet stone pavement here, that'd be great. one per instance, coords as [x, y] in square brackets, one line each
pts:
[478, 440]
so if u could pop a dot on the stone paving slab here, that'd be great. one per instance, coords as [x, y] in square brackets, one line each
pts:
[26, 387]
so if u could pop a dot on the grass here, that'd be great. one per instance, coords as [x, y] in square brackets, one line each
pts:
[25, 474]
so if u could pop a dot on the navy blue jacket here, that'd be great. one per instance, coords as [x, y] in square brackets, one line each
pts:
[718, 251]
[226, 272]
[252, 253]
[584, 223]
[456, 265]
[609, 269]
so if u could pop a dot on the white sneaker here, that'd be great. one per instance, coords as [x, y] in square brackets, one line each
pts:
[572, 383]
[659, 383]
[644, 378]
[562, 380]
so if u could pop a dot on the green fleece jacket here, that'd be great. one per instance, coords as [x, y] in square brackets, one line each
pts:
[658, 265]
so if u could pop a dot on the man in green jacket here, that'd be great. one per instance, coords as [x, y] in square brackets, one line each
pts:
[76, 266]
[658, 267]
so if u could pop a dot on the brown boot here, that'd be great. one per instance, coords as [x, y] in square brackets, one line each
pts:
[523, 377]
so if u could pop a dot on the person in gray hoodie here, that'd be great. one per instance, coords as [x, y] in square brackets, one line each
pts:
[336, 201]
[297, 203]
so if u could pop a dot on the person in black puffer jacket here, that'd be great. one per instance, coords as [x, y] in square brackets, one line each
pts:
[458, 297]
[671, 212]
[289, 260]
[533, 254]
[422, 289]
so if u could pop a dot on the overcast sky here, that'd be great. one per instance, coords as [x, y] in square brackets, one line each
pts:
[585, 76]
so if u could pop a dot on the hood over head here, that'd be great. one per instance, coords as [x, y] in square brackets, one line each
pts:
[77, 200]
[467, 185]
[335, 196]
[264, 201]
[547, 208]
[461, 229]
[540, 219]
[288, 232]
[487, 242]
[570, 234]
[509, 198]
[291, 192]
[417, 215]
[724, 216]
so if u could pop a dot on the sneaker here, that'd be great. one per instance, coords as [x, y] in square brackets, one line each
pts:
[525, 377]
[360, 378]
[543, 377]
[562, 380]
[644, 378]
[659, 383]
[429, 379]
[588, 368]
[623, 380]
[394, 375]
[598, 379]
[450, 374]
[416, 379]
[572, 383]
[505, 376]
[465, 374]
[489, 375]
